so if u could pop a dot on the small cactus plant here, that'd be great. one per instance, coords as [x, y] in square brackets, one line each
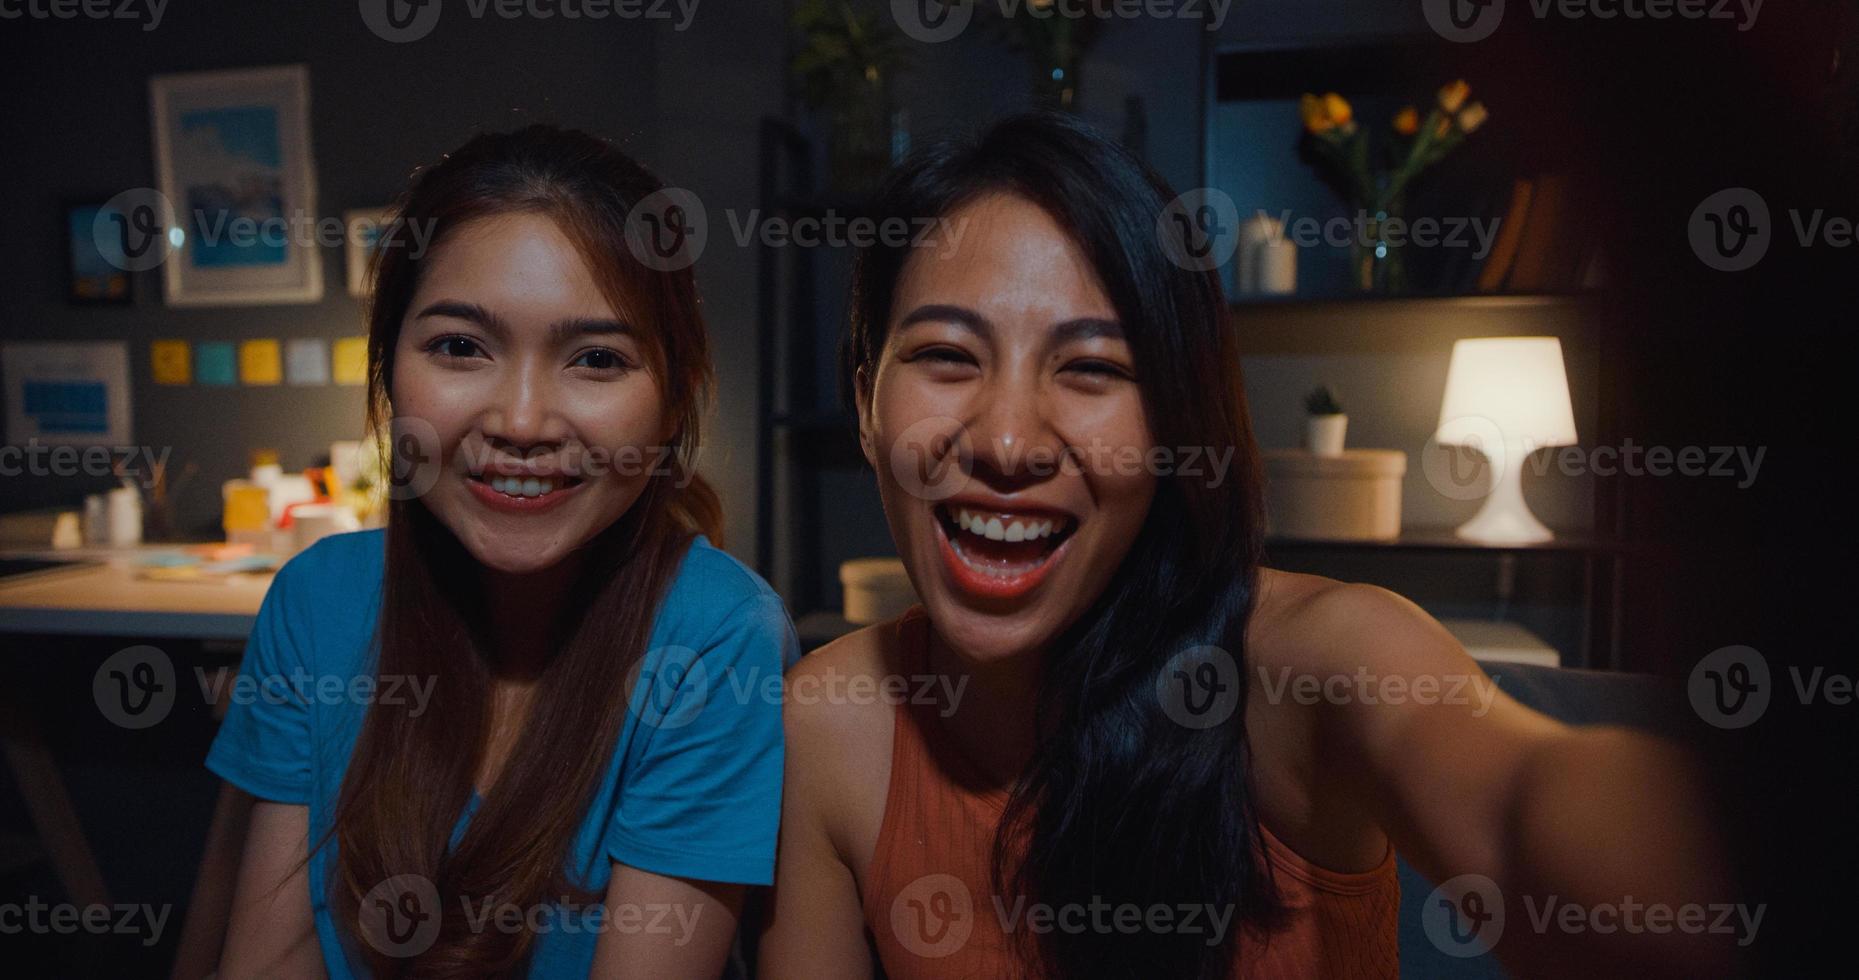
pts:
[1322, 401]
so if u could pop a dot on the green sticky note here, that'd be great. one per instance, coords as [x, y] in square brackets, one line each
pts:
[215, 364]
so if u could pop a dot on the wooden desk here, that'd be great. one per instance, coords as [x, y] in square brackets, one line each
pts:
[109, 600]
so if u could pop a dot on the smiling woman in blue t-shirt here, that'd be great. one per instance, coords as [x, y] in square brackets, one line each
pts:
[560, 767]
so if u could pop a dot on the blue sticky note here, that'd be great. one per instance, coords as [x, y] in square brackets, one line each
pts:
[215, 364]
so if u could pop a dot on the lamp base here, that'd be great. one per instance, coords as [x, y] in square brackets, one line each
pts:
[1503, 526]
[1505, 518]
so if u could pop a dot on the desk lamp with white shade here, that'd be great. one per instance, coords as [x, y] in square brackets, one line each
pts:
[1506, 397]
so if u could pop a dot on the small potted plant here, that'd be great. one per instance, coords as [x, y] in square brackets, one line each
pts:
[1325, 424]
[845, 63]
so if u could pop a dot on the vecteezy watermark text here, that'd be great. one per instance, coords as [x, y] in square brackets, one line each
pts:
[401, 21]
[149, 12]
[36, 459]
[37, 916]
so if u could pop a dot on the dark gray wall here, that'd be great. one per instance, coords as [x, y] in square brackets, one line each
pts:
[684, 102]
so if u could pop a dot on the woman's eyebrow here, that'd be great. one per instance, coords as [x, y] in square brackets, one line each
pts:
[563, 331]
[961, 316]
[1087, 328]
[559, 332]
[459, 310]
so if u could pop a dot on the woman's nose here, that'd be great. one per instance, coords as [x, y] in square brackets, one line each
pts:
[1011, 433]
[524, 411]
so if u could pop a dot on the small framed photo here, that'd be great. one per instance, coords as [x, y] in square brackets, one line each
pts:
[232, 157]
[96, 272]
[363, 229]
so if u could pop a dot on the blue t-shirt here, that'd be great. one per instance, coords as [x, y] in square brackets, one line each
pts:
[693, 788]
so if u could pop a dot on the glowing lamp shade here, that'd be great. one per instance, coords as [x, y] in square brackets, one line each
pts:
[1506, 397]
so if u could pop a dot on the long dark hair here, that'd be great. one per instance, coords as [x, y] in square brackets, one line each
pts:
[410, 775]
[1120, 803]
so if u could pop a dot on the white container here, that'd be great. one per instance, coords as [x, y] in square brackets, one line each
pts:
[125, 509]
[96, 520]
[876, 589]
[1354, 496]
[310, 523]
[1323, 434]
[1267, 259]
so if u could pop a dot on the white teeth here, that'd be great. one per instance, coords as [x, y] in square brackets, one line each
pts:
[522, 486]
[994, 529]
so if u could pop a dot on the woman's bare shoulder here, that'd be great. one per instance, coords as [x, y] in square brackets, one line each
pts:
[1313, 622]
[836, 692]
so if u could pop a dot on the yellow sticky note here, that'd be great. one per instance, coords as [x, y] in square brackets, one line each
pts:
[261, 362]
[171, 361]
[349, 361]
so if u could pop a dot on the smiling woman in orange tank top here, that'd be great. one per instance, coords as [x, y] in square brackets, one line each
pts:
[1110, 743]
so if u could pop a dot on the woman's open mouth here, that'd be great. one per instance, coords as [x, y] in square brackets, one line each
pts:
[1001, 554]
[522, 494]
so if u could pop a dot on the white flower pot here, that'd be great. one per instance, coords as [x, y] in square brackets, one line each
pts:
[1323, 434]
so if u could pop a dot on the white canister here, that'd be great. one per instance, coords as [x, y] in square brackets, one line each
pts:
[1267, 259]
[96, 519]
[125, 508]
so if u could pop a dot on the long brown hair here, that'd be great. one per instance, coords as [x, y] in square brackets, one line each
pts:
[1123, 801]
[411, 775]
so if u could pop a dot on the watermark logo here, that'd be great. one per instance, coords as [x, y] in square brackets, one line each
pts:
[300, 687]
[400, 916]
[668, 687]
[1474, 690]
[135, 687]
[400, 21]
[64, 460]
[139, 229]
[39, 917]
[1730, 230]
[149, 12]
[1199, 229]
[1466, 21]
[1463, 21]
[1199, 687]
[668, 229]
[135, 231]
[932, 21]
[933, 916]
[414, 457]
[1464, 916]
[1449, 460]
[933, 458]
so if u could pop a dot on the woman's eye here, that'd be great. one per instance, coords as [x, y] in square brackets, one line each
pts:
[942, 355]
[454, 346]
[1098, 369]
[600, 359]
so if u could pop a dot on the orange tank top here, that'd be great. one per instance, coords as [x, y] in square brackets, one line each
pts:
[929, 902]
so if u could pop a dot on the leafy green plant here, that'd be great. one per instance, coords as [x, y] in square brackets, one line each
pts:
[1322, 401]
[842, 48]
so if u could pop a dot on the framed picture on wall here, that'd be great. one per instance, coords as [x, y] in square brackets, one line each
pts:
[232, 156]
[95, 271]
[364, 228]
